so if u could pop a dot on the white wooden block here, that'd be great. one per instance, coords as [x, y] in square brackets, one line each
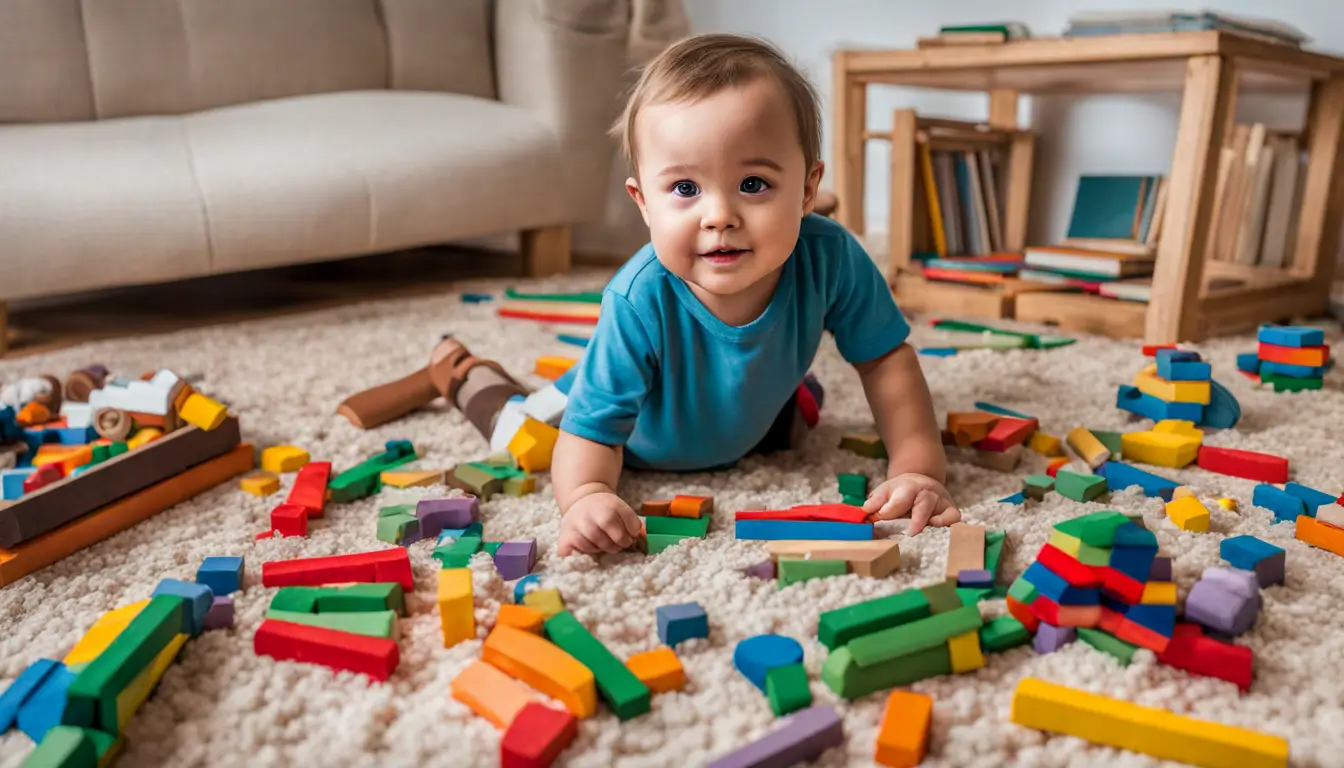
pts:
[1330, 514]
[77, 414]
[511, 418]
[546, 405]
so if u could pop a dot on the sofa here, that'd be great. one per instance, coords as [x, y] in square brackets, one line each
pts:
[147, 141]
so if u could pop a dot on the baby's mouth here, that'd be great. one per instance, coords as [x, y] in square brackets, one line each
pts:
[724, 255]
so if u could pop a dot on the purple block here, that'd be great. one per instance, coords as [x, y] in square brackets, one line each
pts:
[800, 738]
[762, 570]
[220, 615]
[1271, 570]
[980, 579]
[515, 559]
[1050, 638]
[1160, 569]
[437, 514]
[1220, 601]
[1234, 579]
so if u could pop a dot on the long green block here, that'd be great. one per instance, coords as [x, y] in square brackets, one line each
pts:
[1003, 633]
[1114, 442]
[846, 678]
[361, 598]
[853, 485]
[1099, 528]
[994, 541]
[371, 623]
[626, 695]
[793, 570]
[657, 542]
[973, 595]
[64, 746]
[497, 471]
[1108, 643]
[91, 699]
[786, 688]
[365, 479]
[394, 529]
[837, 627]
[677, 526]
[298, 599]
[853, 501]
[1078, 486]
[942, 597]
[914, 637]
[1022, 591]
[1289, 384]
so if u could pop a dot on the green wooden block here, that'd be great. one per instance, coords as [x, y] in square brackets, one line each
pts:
[396, 528]
[458, 552]
[1022, 591]
[1072, 527]
[1289, 384]
[365, 479]
[370, 623]
[1099, 528]
[497, 471]
[848, 679]
[853, 501]
[1112, 440]
[916, 636]
[102, 741]
[477, 476]
[787, 689]
[626, 695]
[1003, 633]
[91, 699]
[942, 596]
[1078, 486]
[657, 542]
[973, 595]
[64, 746]
[491, 547]
[360, 598]
[118, 448]
[101, 453]
[994, 543]
[501, 459]
[853, 485]
[519, 486]
[794, 570]
[1037, 486]
[999, 590]
[836, 628]
[678, 526]
[1088, 555]
[1108, 643]
[399, 509]
[870, 446]
[299, 599]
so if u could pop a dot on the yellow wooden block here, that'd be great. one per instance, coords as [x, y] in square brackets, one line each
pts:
[142, 436]
[408, 478]
[283, 458]
[554, 366]
[1150, 731]
[548, 601]
[1181, 492]
[456, 612]
[1178, 427]
[1150, 383]
[1088, 447]
[1065, 543]
[1188, 514]
[965, 652]
[659, 669]
[203, 412]
[259, 483]
[533, 444]
[135, 693]
[1045, 444]
[1229, 504]
[520, 486]
[101, 633]
[1159, 593]
[1163, 449]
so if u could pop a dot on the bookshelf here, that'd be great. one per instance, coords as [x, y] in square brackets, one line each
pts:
[1193, 296]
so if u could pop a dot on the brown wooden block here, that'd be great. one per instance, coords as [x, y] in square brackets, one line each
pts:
[875, 559]
[970, 427]
[655, 508]
[965, 549]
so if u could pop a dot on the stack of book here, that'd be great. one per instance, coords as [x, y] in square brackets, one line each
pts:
[1133, 23]
[1260, 176]
[963, 194]
[976, 34]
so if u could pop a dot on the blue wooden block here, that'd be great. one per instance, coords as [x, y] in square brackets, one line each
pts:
[1114, 604]
[980, 579]
[1159, 618]
[1249, 362]
[1290, 335]
[196, 602]
[476, 298]
[683, 621]
[578, 341]
[34, 443]
[9, 425]
[1134, 562]
[1223, 411]
[75, 435]
[1271, 368]
[223, 575]
[1129, 398]
[1134, 535]
[45, 707]
[1285, 506]
[45, 435]
[1120, 475]
[1245, 551]
[767, 530]
[11, 482]
[1179, 370]
[1310, 496]
[1177, 356]
[19, 691]
[1056, 589]
[939, 351]
[525, 585]
[1016, 498]
[756, 656]
[980, 405]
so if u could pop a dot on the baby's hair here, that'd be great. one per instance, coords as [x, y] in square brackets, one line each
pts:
[701, 65]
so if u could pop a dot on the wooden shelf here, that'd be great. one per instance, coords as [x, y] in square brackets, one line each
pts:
[1083, 313]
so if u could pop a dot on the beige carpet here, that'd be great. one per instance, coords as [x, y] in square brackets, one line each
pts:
[223, 705]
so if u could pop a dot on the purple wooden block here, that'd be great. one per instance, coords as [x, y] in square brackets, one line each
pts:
[762, 570]
[1218, 602]
[1050, 638]
[515, 559]
[1234, 579]
[980, 579]
[800, 738]
[1161, 569]
[220, 615]
[1270, 570]
[437, 514]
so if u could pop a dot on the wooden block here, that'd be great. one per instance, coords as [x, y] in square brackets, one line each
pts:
[999, 461]
[875, 559]
[1164, 449]
[903, 736]
[456, 611]
[412, 478]
[934, 631]
[310, 488]
[1245, 464]
[553, 367]
[522, 617]
[1037, 486]
[101, 633]
[965, 549]
[1155, 732]
[800, 738]
[259, 483]
[1188, 514]
[866, 444]
[1321, 535]
[490, 693]
[1159, 593]
[1078, 486]
[623, 692]
[547, 601]
[533, 445]
[1008, 432]
[965, 652]
[816, 513]
[203, 412]
[1311, 357]
[144, 436]
[659, 669]
[691, 506]
[368, 623]
[383, 565]
[1088, 447]
[1148, 382]
[971, 427]
[655, 508]
[787, 689]
[1045, 444]
[376, 657]
[281, 459]
[536, 737]
[543, 666]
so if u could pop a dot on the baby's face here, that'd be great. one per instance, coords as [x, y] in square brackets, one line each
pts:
[723, 185]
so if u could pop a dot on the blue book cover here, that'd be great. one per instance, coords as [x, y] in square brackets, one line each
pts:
[970, 228]
[1106, 206]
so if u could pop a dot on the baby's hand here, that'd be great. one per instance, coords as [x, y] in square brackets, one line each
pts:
[921, 497]
[600, 522]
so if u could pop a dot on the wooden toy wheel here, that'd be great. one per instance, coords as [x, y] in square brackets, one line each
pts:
[112, 423]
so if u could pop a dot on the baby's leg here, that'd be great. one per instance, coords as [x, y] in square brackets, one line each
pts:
[799, 414]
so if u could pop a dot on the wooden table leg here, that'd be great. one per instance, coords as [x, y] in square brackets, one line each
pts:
[1210, 92]
[901, 227]
[1003, 109]
[1322, 205]
[849, 99]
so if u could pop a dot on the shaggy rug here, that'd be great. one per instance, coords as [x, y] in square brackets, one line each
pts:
[221, 704]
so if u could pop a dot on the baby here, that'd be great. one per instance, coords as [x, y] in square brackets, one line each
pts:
[705, 336]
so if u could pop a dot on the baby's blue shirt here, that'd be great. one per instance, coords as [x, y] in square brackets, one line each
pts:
[682, 390]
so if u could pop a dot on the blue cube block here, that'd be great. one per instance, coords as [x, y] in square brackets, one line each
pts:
[1056, 589]
[683, 621]
[1309, 496]
[1132, 534]
[1290, 336]
[19, 691]
[1285, 506]
[197, 599]
[74, 435]
[1271, 368]
[1249, 362]
[223, 575]
[1134, 562]
[1245, 551]
[1120, 476]
[1178, 370]
[981, 579]
[1129, 398]
[1159, 618]
[1177, 356]
[11, 482]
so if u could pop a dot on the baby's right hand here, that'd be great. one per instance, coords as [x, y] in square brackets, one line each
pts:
[599, 522]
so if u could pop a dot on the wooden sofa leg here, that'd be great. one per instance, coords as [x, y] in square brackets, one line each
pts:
[546, 251]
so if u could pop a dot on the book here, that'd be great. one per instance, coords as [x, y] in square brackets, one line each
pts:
[1260, 174]
[1012, 30]
[1140, 22]
[991, 187]
[1089, 263]
[1125, 246]
[1108, 206]
[1139, 289]
[1280, 218]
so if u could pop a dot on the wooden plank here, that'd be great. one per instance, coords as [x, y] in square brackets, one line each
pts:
[1082, 313]
[915, 294]
[1245, 308]
[850, 108]
[965, 549]
[1003, 108]
[875, 559]
[71, 497]
[901, 226]
[104, 523]
[1178, 273]
[1322, 202]
[1017, 205]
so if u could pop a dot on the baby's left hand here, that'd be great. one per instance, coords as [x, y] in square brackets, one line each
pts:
[923, 498]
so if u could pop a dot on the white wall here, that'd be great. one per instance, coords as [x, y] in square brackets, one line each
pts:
[1093, 134]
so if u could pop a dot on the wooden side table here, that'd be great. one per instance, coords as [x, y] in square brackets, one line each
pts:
[1208, 69]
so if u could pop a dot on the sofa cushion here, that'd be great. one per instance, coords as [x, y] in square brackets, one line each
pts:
[440, 45]
[44, 73]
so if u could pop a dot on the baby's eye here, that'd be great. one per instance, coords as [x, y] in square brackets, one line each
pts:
[686, 188]
[754, 185]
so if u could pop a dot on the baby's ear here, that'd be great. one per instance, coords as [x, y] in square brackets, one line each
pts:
[810, 187]
[632, 189]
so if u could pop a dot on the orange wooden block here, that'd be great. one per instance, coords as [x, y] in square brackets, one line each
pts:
[52, 453]
[1319, 534]
[903, 736]
[553, 367]
[33, 414]
[691, 506]
[490, 693]
[544, 666]
[659, 669]
[972, 427]
[1312, 357]
[523, 617]
[655, 508]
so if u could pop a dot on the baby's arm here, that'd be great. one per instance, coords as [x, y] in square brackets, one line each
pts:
[593, 518]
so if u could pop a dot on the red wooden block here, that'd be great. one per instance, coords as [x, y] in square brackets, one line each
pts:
[290, 520]
[1245, 464]
[1052, 469]
[827, 513]
[310, 487]
[44, 475]
[388, 565]
[1067, 568]
[1007, 432]
[537, 736]
[1023, 614]
[1191, 651]
[1117, 585]
[1312, 357]
[1050, 612]
[376, 657]
[1150, 350]
[1110, 621]
[1137, 634]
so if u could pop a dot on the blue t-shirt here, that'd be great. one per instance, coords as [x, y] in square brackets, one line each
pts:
[682, 390]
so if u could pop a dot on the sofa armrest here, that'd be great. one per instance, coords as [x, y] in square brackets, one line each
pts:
[564, 61]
